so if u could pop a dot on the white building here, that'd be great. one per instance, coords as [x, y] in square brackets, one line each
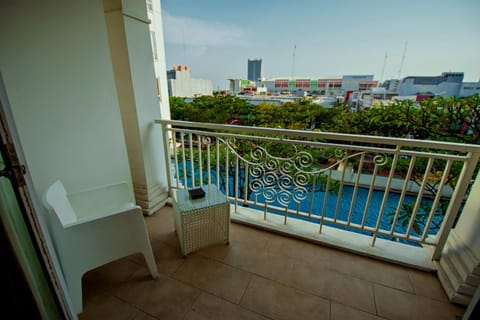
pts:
[358, 82]
[447, 84]
[320, 86]
[180, 84]
[239, 85]
[469, 89]
[391, 85]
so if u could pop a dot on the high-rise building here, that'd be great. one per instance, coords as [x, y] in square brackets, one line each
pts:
[254, 69]
[180, 84]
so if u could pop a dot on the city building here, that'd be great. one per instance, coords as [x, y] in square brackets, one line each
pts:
[358, 82]
[321, 86]
[469, 89]
[240, 85]
[391, 85]
[180, 84]
[326, 86]
[447, 84]
[254, 69]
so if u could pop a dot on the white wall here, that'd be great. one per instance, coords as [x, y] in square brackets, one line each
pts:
[55, 60]
[469, 89]
[408, 87]
[469, 221]
[160, 67]
[148, 110]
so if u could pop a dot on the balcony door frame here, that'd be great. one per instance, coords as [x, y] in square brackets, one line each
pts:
[24, 232]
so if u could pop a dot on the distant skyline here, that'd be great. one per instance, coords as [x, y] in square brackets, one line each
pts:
[215, 38]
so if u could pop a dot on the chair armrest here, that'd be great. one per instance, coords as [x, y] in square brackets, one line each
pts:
[102, 201]
[97, 218]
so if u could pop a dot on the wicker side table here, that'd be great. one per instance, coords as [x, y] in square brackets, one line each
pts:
[201, 222]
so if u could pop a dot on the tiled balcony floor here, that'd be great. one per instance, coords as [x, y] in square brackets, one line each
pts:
[259, 276]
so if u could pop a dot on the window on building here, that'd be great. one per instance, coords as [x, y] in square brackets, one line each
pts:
[302, 83]
[281, 83]
[154, 44]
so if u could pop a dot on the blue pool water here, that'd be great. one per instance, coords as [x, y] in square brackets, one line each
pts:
[344, 207]
[358, 209]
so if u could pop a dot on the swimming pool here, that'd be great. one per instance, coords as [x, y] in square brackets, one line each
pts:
[342, 217]
[358, 210]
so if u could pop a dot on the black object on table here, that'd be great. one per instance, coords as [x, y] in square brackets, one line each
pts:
[196, 193]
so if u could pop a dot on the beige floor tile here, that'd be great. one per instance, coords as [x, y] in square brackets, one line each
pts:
[160, 222]
[164, 298]
[214, 277]
[398, 305]
[281, 302]
[217, 251]
[111, 275]
[213, 308]
[302, 250]
[170, 238]
[107, 307]
[143, 316]
[342, 312]
[167, 258]
[250, 237]
[332, 285]
[394, 304]
[433, 309]
[380, 272]
[260, 262]
[310, 278]
[353, 292]
[426, 284]
[161, 228]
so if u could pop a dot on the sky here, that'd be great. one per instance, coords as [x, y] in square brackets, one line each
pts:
[320, 39]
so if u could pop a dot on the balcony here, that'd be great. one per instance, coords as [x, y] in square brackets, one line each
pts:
[260, 275]
[393, 199]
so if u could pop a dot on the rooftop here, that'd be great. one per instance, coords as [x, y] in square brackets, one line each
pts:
[260, 275]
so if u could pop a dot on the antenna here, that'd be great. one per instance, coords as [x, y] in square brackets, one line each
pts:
[383, 68]
[293, 59]
[403, 60]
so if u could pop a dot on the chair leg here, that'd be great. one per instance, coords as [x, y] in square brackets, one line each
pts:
[148, 255]
[150, 260]
[74, 284]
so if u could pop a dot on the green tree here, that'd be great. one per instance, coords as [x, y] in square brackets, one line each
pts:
[453, 119]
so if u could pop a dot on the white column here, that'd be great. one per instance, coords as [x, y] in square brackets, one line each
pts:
[459, 265]
[132, 61]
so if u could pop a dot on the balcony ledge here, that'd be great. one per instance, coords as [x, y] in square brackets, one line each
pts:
[414, 257]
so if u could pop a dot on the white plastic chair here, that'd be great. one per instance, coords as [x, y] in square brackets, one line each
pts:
[93, 228]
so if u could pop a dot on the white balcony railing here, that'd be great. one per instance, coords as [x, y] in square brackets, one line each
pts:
[403, 190]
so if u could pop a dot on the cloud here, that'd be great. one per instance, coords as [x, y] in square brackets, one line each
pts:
[200, 33]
